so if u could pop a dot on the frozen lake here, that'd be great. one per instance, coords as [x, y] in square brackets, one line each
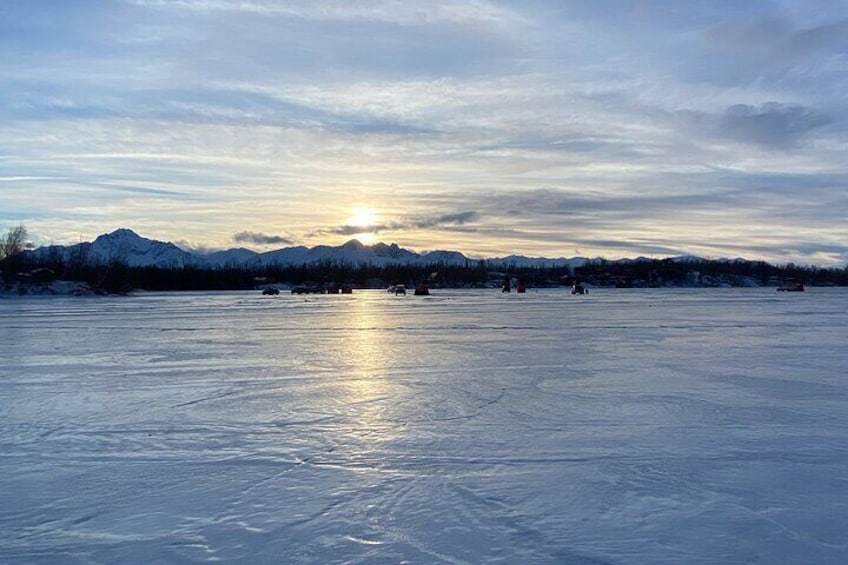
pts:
[626, 426]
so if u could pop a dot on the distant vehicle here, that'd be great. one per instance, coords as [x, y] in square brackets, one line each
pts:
[578, 289]
[347, 289]
[271, 291]
[308, 290]
[422, 290]
[520, 289]
[794, 287]
[396, 289]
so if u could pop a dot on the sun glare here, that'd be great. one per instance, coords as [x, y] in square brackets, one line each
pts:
[363, 218]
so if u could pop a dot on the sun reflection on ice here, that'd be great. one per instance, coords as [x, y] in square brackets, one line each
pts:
[368, 355]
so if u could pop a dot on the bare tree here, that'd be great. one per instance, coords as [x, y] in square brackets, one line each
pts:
[11, 248]
[15, 242]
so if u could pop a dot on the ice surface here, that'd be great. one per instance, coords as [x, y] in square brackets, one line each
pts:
[626, 426]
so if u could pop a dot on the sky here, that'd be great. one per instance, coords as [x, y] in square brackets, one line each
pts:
[715, 128]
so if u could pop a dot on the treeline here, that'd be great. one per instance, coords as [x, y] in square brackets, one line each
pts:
[118, 277]
[701, 272]
[321, 274]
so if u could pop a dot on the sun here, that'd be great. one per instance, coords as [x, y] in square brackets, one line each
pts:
[364, 219]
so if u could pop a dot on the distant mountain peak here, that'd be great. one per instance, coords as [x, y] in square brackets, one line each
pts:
[120, 233]
[354, 244]
[124, 231]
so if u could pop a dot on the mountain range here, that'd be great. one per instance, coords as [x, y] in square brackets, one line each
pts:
[136, 251]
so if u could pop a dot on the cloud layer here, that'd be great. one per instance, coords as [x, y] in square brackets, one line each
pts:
[261, 238]
[445, 222]
[542, 127]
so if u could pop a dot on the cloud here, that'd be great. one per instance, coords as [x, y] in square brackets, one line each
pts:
[772, 124]
[261, 238]
[444, 221]
[768, 32]
[460, 218]
[211, 106]
[779, 38]
[630, 246]
[593, 208]
[349, 230]
[393, 11]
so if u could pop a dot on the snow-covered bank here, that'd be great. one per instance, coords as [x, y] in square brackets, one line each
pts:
[52, 288]
[626, 426]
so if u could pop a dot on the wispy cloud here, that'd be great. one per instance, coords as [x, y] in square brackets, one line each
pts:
[443, 221]
[261, 238]
[772, 124]
[459, 218]
[394, 11]
[780, 39]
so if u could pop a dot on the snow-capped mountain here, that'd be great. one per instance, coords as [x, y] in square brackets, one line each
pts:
[522, 262]
[126, 246]
[136, 251]
[356, 253]
[444, 258]
[236, 257]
